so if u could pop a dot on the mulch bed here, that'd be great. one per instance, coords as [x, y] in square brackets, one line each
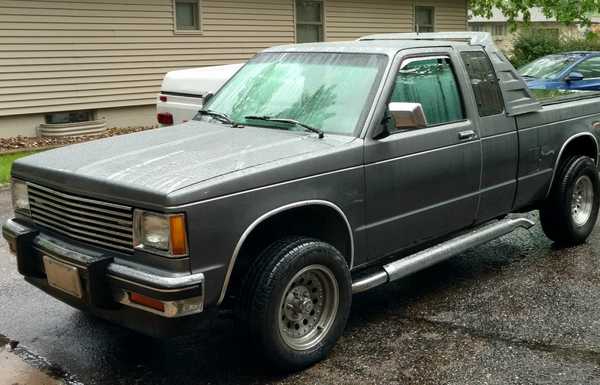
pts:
[32, 143]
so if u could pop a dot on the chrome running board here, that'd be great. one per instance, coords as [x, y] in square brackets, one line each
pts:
[440, 252]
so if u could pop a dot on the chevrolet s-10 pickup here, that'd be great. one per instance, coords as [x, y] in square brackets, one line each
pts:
[316, 172]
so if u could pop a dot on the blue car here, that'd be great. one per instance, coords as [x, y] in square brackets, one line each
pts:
[565, 71]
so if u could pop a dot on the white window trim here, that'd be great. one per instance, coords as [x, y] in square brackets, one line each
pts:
[198, 31]
[324, 21]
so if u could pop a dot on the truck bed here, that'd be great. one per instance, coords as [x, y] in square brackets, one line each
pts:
[549, 97]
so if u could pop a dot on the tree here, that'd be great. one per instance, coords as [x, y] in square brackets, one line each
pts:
[564, 11]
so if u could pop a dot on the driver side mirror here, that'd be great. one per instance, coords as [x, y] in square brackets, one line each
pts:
[574, 77]
[207, 97]
[408, 116]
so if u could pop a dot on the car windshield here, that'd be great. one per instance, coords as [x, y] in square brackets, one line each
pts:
[331, 92]
[548, 67]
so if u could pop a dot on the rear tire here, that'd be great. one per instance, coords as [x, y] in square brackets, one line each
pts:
[570, 213]
[296, 300]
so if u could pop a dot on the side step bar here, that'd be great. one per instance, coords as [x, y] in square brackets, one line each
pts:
[438, 253]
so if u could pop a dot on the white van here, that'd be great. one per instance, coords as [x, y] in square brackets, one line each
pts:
[183, 91]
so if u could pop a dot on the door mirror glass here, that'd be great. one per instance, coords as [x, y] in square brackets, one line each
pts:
[408, 116]
[574, 77]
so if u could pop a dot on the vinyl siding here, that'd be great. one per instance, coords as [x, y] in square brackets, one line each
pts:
[92, 54]
[450, 15]
[351, 19]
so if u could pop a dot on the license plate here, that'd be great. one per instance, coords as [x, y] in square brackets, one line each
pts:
[63, 277]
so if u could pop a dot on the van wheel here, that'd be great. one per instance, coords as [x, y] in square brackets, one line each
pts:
[569, 214]
[296, 300]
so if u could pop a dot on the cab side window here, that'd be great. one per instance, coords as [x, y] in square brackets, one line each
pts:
[590, 68]
[484, 83]
[431, 82]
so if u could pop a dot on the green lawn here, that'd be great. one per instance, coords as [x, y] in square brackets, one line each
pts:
[6, 162]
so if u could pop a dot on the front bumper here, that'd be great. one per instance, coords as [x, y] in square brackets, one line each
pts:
[108, 287]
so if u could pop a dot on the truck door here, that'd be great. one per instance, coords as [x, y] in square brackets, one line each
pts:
[423, 183]
[498, 137]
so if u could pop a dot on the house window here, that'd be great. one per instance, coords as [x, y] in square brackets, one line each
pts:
[187, 15]
[551, 33]
[424, 19]
[70, 117]
[499, 29]
[309, 21]
[477, 27]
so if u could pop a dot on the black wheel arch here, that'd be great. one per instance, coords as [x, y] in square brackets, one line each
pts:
[317, 219]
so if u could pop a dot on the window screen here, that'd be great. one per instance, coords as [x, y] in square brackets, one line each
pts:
[484, 83]
[498, 29]
[70, 117]
[424, 19]
[187, 15]
[309, 21]
[432, 83]
[589, 68]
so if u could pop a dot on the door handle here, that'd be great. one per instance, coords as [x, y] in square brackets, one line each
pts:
[467, 135]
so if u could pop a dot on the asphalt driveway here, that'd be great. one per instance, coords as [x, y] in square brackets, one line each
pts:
[515, 311]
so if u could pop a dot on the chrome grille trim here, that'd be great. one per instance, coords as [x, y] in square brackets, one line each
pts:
[62, 222]
[80, 206]
[78, 198]
[101, 223]
[82, 215]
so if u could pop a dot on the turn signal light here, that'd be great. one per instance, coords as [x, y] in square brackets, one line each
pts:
[165, 118]
[178, 235]
[163, 98]
[147, 301]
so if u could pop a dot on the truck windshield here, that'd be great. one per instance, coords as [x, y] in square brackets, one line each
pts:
[548, 67]
[331, 92]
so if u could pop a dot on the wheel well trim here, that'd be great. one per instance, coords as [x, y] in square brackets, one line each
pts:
[269, 214]
[562, 150]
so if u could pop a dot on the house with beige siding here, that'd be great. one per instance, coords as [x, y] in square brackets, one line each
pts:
[505, 34]
[99, 63]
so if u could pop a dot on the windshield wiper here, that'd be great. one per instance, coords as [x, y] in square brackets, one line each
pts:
[288, 121]
[528, 77]
[224, 118]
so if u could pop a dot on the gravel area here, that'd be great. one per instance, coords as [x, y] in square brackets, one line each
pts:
[22, 143]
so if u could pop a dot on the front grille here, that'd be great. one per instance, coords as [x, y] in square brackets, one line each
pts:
[101, 223]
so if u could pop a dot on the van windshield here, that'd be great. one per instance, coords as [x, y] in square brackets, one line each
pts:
[329, 91]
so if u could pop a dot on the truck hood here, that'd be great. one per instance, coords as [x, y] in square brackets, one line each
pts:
[148, 166]
[199, 81]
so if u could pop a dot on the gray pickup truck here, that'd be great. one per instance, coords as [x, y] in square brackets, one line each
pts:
[318, 171]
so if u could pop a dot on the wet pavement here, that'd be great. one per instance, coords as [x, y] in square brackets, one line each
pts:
[515, 311]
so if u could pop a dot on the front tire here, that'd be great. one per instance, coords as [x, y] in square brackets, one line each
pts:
[571, 210]
[296, 300]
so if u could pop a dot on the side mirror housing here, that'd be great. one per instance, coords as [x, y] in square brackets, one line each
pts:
[574, 77]
[408, 116]
[207, 98]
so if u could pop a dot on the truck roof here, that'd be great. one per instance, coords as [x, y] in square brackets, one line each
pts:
[387, 47]
[391, 43]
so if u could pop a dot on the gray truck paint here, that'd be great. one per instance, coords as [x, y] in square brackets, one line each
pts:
[390, 194]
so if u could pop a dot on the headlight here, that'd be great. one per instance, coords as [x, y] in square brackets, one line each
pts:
[163, 234]
[20, 197]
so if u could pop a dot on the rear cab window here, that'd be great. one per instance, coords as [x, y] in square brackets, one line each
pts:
[484, 83]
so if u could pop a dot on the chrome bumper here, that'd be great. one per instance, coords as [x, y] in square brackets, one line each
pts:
[105, 282]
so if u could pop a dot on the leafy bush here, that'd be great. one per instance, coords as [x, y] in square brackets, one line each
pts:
[531, 44]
